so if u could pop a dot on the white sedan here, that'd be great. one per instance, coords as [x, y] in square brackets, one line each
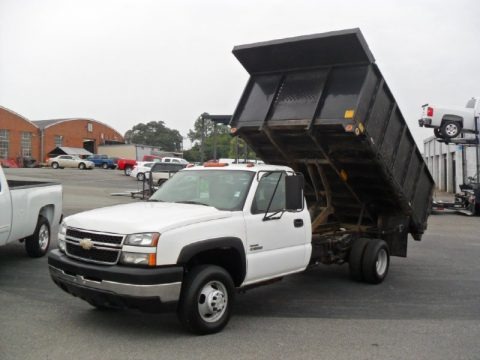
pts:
[69, 161]
[141, 169]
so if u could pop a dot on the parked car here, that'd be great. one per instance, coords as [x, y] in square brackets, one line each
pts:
[103, 161]
[141, 169]
[30, 211]
[174, 160]
[162, 171]
[70, 161]
[448, 122]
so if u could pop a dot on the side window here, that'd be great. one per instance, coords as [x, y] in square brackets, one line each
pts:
[175, 161]
[166, 160]
[265, 191]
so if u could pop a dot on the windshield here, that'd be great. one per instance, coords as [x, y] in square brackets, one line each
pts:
[224, 190]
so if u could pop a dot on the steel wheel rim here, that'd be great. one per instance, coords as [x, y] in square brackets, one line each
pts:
[451, 130]
[212, 301]
[382, 262]
[43, 237]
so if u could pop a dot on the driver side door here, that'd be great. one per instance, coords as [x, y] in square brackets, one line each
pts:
[276, 244]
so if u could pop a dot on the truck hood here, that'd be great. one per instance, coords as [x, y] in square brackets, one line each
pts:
[144, 217]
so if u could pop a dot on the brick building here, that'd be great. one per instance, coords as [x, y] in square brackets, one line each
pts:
[20, 137]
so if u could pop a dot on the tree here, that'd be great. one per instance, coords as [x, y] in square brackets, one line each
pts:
[155, 133]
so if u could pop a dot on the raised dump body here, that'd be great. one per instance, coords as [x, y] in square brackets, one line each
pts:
[320, 105]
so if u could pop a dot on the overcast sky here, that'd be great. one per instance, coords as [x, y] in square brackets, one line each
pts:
[128, 61]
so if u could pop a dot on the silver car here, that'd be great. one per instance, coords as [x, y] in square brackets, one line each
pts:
[69, 161]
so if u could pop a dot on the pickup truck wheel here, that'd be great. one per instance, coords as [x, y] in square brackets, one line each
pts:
[206, 299]
[54, 165]
[376, 261]
[127, 170]
[355, 259]
[104, 166]
[450, 129]
[81, 166]
[37, 244]
[140, 176]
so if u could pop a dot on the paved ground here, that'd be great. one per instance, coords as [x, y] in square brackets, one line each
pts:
[428, 308]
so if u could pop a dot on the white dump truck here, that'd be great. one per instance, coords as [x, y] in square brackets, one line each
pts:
[345, 183]
[450, 122]
[30, 211]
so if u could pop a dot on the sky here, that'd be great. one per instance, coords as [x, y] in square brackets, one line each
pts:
[123, 62]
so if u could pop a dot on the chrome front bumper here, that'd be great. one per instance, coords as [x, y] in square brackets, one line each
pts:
[165, 292]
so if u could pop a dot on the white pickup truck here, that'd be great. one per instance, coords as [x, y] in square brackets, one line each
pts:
[30, 211]
[448, 122]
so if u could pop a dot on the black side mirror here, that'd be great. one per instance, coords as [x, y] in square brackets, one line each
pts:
[294, 192]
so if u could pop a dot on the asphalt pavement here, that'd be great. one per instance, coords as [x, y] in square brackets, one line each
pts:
[427, 308]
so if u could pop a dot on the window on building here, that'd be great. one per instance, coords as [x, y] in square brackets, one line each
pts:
[90, 127]
[4, 144]
[58, 140]
[26, 144]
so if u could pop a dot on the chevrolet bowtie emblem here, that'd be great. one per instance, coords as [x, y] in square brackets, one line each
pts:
[86, 244]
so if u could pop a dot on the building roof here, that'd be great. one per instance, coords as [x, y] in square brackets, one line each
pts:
[42, 124]
[17, 114]
[70, 151]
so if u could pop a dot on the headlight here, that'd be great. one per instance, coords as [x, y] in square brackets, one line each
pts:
[129, 258]
[62, 232]
[145, 239]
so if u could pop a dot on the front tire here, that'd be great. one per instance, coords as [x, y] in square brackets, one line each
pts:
[37, 244]
[105, 166]
[450, 129]
[206, 300]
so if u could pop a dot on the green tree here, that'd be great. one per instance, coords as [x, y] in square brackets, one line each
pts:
[155, 133]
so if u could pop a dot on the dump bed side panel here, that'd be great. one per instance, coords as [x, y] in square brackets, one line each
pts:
[333, 118]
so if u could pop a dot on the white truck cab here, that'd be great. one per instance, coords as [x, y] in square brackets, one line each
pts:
[206, 231]
[449, 122]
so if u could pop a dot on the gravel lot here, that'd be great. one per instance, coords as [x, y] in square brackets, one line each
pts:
[428, 308]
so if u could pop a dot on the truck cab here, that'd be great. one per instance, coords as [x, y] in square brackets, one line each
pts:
[208, 230]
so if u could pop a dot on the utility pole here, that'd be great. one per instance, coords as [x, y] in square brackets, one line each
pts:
[202, 144]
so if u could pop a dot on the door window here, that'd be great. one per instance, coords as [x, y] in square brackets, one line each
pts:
[271, 184]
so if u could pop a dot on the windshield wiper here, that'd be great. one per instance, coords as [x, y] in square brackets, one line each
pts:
[191, 202]
[154, 200]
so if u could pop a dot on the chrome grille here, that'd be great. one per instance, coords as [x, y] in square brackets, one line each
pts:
[105, 247]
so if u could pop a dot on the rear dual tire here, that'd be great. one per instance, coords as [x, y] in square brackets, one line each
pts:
[369, 260]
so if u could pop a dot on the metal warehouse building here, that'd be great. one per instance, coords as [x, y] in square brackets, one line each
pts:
[20, 137]
[450, 165]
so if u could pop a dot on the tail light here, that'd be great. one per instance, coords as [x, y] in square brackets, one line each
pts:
[429, 111]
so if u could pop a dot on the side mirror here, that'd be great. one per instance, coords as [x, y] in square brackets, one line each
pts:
[294, 192]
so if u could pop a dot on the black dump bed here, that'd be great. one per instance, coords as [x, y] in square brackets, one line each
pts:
[320, 105]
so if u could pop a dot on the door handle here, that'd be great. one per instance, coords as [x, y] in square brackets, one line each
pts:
[298, 223]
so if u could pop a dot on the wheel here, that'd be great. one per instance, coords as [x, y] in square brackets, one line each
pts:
[128, 170]
[140, 176]
[104, 166]
[37, 244]
[376, 261]
[161, 181]
[450, 129]
[55, 165]
[81, 166]
[355, 258]
[206, 299]
[437, 133]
